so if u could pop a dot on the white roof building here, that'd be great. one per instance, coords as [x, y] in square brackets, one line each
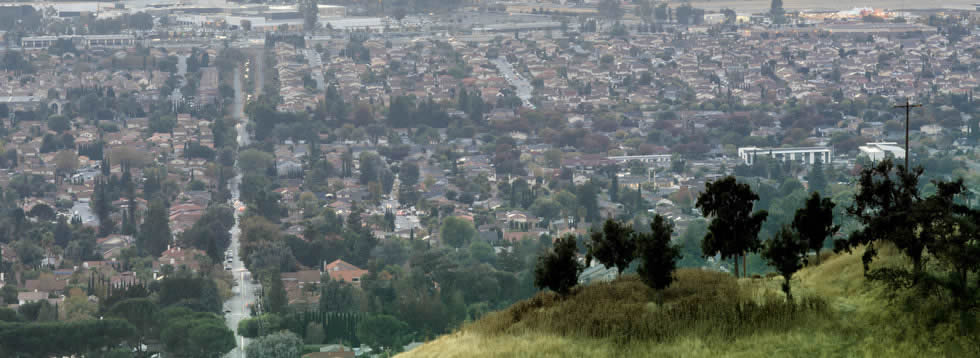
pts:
[880, 150]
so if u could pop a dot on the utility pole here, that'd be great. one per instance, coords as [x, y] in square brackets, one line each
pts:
[908, 108]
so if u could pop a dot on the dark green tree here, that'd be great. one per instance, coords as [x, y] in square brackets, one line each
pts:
[275, 297]
[267, 205]
[456, 231]
[815, 222]
[7, 314]
[587, 195]
[139, 312]
[347, 164]
[196, 335]
[47, 339]
[558, 269]
[383, 332]
[154, 235]
[62, 232]
[658, 258]
[102, 206]
[337, 295]
[734, 228]
[59, 123]
[954, 240]
[210, 233]
[409, 173]
[787, 253]
[614, 246]
[817, 180]
[884, 205]
[9, 294]
[370, 166]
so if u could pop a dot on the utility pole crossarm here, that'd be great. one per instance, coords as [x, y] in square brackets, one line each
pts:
[908, 108]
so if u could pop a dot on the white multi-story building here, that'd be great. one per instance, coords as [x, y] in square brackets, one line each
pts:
[43, 42]
[804, 155]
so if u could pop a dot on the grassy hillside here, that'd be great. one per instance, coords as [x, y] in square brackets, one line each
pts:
[710, 314]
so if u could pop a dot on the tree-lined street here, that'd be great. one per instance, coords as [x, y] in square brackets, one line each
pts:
[244, 293]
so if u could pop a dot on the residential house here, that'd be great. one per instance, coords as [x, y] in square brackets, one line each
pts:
[179, 257]
[341, 270]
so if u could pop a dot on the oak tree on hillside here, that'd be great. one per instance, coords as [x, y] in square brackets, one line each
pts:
[614, 246]
[658, 258]
[884, 206]
[558, 269]
[954, 239]
[815, 222]
[734, 228]
[787, 253]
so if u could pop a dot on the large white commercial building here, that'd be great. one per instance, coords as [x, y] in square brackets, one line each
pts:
[652, 158]
[880, 150]
[803, 155]
[43, 42]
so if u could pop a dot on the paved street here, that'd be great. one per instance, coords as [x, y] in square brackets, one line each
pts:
[515, 79]
[239, 113]
[244, 293]
[314, 59]
[258, 70]
[83, 209]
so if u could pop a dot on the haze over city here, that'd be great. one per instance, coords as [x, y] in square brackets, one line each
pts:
[452, 178]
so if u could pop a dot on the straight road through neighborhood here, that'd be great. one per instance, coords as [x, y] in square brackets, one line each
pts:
[244, 293]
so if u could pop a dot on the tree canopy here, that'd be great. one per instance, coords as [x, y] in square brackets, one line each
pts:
[282, 344]
[815, 222]
[456, 231]
[734, 227]
[658, 257]
[787, 253]
[558, 269]
[614, 246]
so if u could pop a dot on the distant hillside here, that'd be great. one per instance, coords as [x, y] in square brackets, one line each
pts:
[710, 314]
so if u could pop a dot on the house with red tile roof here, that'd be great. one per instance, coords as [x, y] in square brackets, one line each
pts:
[342, 270]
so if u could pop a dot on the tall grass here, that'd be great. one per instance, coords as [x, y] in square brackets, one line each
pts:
[838, 313]
[699, 303]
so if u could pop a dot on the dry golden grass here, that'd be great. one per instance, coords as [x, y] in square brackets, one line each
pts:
[709, 314]
[700, 303]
